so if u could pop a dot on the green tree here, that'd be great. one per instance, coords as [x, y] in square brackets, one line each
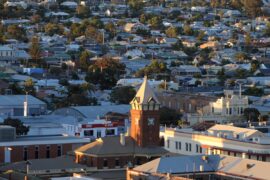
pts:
[156, 22]
[172, 32]
[169, 116]
[254, 91]
[29, 86]
[253, 7]
[122, 95]
[83, 11]
[188, 30]
[16, 32]
[154, 68]
[85, 60]
[251, 114]
[110, 27]
[105, 72]
[136, 7]
[34, 50]
[267, 30]
[52, 29]
[21, 129]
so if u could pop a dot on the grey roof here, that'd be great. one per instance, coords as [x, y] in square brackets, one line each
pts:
[111, 145]
[229, 165]
[9, 100]
[63, 162]
[93, 111]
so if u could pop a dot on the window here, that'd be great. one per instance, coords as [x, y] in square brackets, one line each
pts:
[110, 132]
[88, 133]
[105, 163]
[36, 152]
[190, 147]
[25, 153]
[168, 143]
[197, 148]
[117, 163]
[176, 145]
[59, 150]
[200, 149]
[179, 145]
[48, 152]
[98, 134]
[186, 146]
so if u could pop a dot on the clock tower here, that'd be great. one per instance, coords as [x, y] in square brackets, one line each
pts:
[145, 116]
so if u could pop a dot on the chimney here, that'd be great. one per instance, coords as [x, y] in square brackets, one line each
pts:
[201, 168]
[25, 108]
[122, 139]
[25, 105]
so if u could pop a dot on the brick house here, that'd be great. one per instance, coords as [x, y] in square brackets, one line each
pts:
[139, 147]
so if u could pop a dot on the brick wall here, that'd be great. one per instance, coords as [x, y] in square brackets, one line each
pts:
[17, 152]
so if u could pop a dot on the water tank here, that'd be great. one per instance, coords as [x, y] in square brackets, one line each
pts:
[7, 133]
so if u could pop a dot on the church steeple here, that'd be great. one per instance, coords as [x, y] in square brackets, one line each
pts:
[145, 116]
[145, 98]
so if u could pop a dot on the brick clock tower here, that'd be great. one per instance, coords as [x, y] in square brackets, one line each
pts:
[145, 117]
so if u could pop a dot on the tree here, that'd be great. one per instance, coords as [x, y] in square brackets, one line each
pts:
[267, 30]
[52, 29]
[221, 76]
[34, 50]
[254, 66]
[85, 60]
[200, 36]
[29, 86]
[240, 56]
[105, 72]
[16, 32]
[136, 7]
[169, 116]
[156, 22]
[122, 95]
[254, 91]
[248, 41]
[83, 11]
[110, 27]
[153, 69]
[172, 32]
[188, 30]
[253, 7]
[251, 114]
[21, 129]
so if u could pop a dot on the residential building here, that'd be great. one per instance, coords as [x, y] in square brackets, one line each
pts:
[21, 105]
[22, 148]
[230, 105]
[201, 167]
[140, 146]
[218, 139]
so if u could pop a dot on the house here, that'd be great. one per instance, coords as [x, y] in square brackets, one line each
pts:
[230, 105]
[11, 55]
[21, 105]
[218, 139]
[200, 167]
[185, 70]
[69, 4]
[22, 148]
[141, 145]
[133, 27]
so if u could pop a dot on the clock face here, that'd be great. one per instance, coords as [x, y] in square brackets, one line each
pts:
[151, 121]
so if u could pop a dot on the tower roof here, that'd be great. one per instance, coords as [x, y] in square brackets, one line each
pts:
[145, 94]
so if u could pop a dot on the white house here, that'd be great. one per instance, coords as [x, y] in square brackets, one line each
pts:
[218, 139]
[230, 105]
